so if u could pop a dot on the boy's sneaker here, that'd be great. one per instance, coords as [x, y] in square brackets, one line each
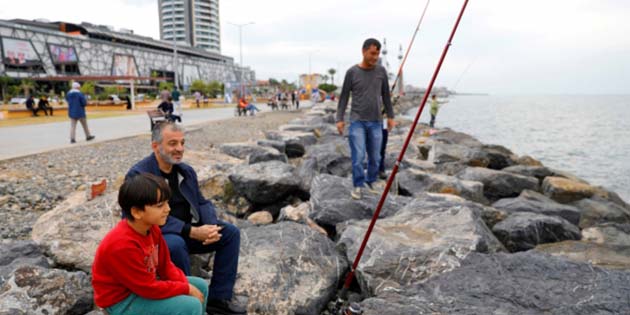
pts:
[73, 141]
[90, 138]
[356, 193]
[224, 307]
[382, 175]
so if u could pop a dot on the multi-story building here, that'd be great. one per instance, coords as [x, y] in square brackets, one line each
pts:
[191, 22]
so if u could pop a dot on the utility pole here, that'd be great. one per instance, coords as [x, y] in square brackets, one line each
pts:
[240, 44]
[174, 44]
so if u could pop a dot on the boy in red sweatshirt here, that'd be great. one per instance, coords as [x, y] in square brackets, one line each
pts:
[132, 271]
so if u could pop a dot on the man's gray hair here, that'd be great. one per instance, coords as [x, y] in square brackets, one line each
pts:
[156, 134]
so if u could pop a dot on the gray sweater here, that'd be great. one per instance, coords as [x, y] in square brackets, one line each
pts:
[370, 91]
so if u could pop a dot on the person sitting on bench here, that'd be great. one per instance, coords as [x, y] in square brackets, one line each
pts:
[167, 108]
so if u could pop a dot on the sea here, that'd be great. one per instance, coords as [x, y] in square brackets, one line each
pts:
[587, 135]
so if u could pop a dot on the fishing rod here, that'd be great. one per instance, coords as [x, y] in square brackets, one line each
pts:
[413, 38]
[355, 264]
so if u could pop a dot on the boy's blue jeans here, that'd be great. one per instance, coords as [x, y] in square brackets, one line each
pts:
[365, 137]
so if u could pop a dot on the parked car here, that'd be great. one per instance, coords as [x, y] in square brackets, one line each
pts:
[114, 98]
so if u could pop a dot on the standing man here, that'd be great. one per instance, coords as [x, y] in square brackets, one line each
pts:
[369, 86]
[177, 105]
[197, 98]
[192, 226]
[76, 112]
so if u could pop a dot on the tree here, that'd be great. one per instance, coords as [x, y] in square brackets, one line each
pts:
[164, 85]
[332, 72]
[88, 88]
[214, 88]
[198, 85]
[273, 82]
[26, 85]
[4, 82]
[327, 87]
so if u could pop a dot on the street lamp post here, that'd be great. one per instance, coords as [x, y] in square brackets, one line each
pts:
[174, 43]
[240, 44]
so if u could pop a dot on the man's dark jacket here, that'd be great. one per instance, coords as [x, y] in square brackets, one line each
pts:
[188, 186]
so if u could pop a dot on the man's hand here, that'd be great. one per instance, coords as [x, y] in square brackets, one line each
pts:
[207, 234]
[390, 124]
[194, 292]
[340, 127]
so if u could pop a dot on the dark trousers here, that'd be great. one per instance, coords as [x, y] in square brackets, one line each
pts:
[226, 252]
[381, 165]
[432, 123]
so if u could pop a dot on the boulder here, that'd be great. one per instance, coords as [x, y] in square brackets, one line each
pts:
[531, 201]
[601, 255]
[266, 156]
[287, 268]
[427, 237]
[265, 182]
[499, 184]
[595, 212]
[565, 190]
[243, 150]
[448, 153]
[449, 136]
[524, 230]
[278, 145]
[331, 202]
[36, 290]
[260, 218]
[522, 283]
[295, 142]
[499, 156]
[614, 234]
[15, 253]
[328, 158]
[539, 172]
[71, 232]
[418, 164]
[412, 183]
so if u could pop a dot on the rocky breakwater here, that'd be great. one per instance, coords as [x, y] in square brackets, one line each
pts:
[468, 228]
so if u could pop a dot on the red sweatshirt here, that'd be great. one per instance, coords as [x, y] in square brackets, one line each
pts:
[127, 262]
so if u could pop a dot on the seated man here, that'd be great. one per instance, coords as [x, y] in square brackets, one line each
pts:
[30, 105]
[242, 106]
[44, 105]
[167, 108]
[192, 226]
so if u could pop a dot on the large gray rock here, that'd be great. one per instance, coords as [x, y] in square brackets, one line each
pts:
[16, 253]
[531, 201]
[244, 150]
[442, 153]
[265, 182]
[413, 183]
[565, 190]
[596, 212]
[287, 268]
[329, 158]
[427, 237]
[614, 234]
[601, 255]
[524, 230]
[71, 232]
[539, 172]
[449, 136]
[523, 283]
[499, 157]
[295, 141]
[37, 290]
[266, 156]
[499, 184]
[331, 202]
[278, 145]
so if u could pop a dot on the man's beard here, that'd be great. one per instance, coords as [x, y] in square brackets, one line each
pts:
[167, 158]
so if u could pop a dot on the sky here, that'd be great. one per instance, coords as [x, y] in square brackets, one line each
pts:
[501, 46]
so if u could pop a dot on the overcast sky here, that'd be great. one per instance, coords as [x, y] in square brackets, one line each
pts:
[501, 47]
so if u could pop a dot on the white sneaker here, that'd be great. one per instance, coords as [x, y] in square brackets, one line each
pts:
[356, 193]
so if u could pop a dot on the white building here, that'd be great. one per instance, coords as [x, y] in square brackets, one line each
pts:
[191, 22]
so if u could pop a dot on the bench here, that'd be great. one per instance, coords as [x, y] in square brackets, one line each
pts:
[156, 117]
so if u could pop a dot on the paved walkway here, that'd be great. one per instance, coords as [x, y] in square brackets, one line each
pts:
[31, 139]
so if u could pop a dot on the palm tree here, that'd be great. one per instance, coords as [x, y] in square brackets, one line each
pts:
[27, 85]
[325, 78]
[332, 72]
[4, 82]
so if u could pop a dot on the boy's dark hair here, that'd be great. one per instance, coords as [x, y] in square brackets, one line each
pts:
[371, 42]
[140, 191]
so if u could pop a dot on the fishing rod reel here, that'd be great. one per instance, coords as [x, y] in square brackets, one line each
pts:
[343, 308]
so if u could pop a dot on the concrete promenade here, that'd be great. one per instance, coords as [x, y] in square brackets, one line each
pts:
[31, 139]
